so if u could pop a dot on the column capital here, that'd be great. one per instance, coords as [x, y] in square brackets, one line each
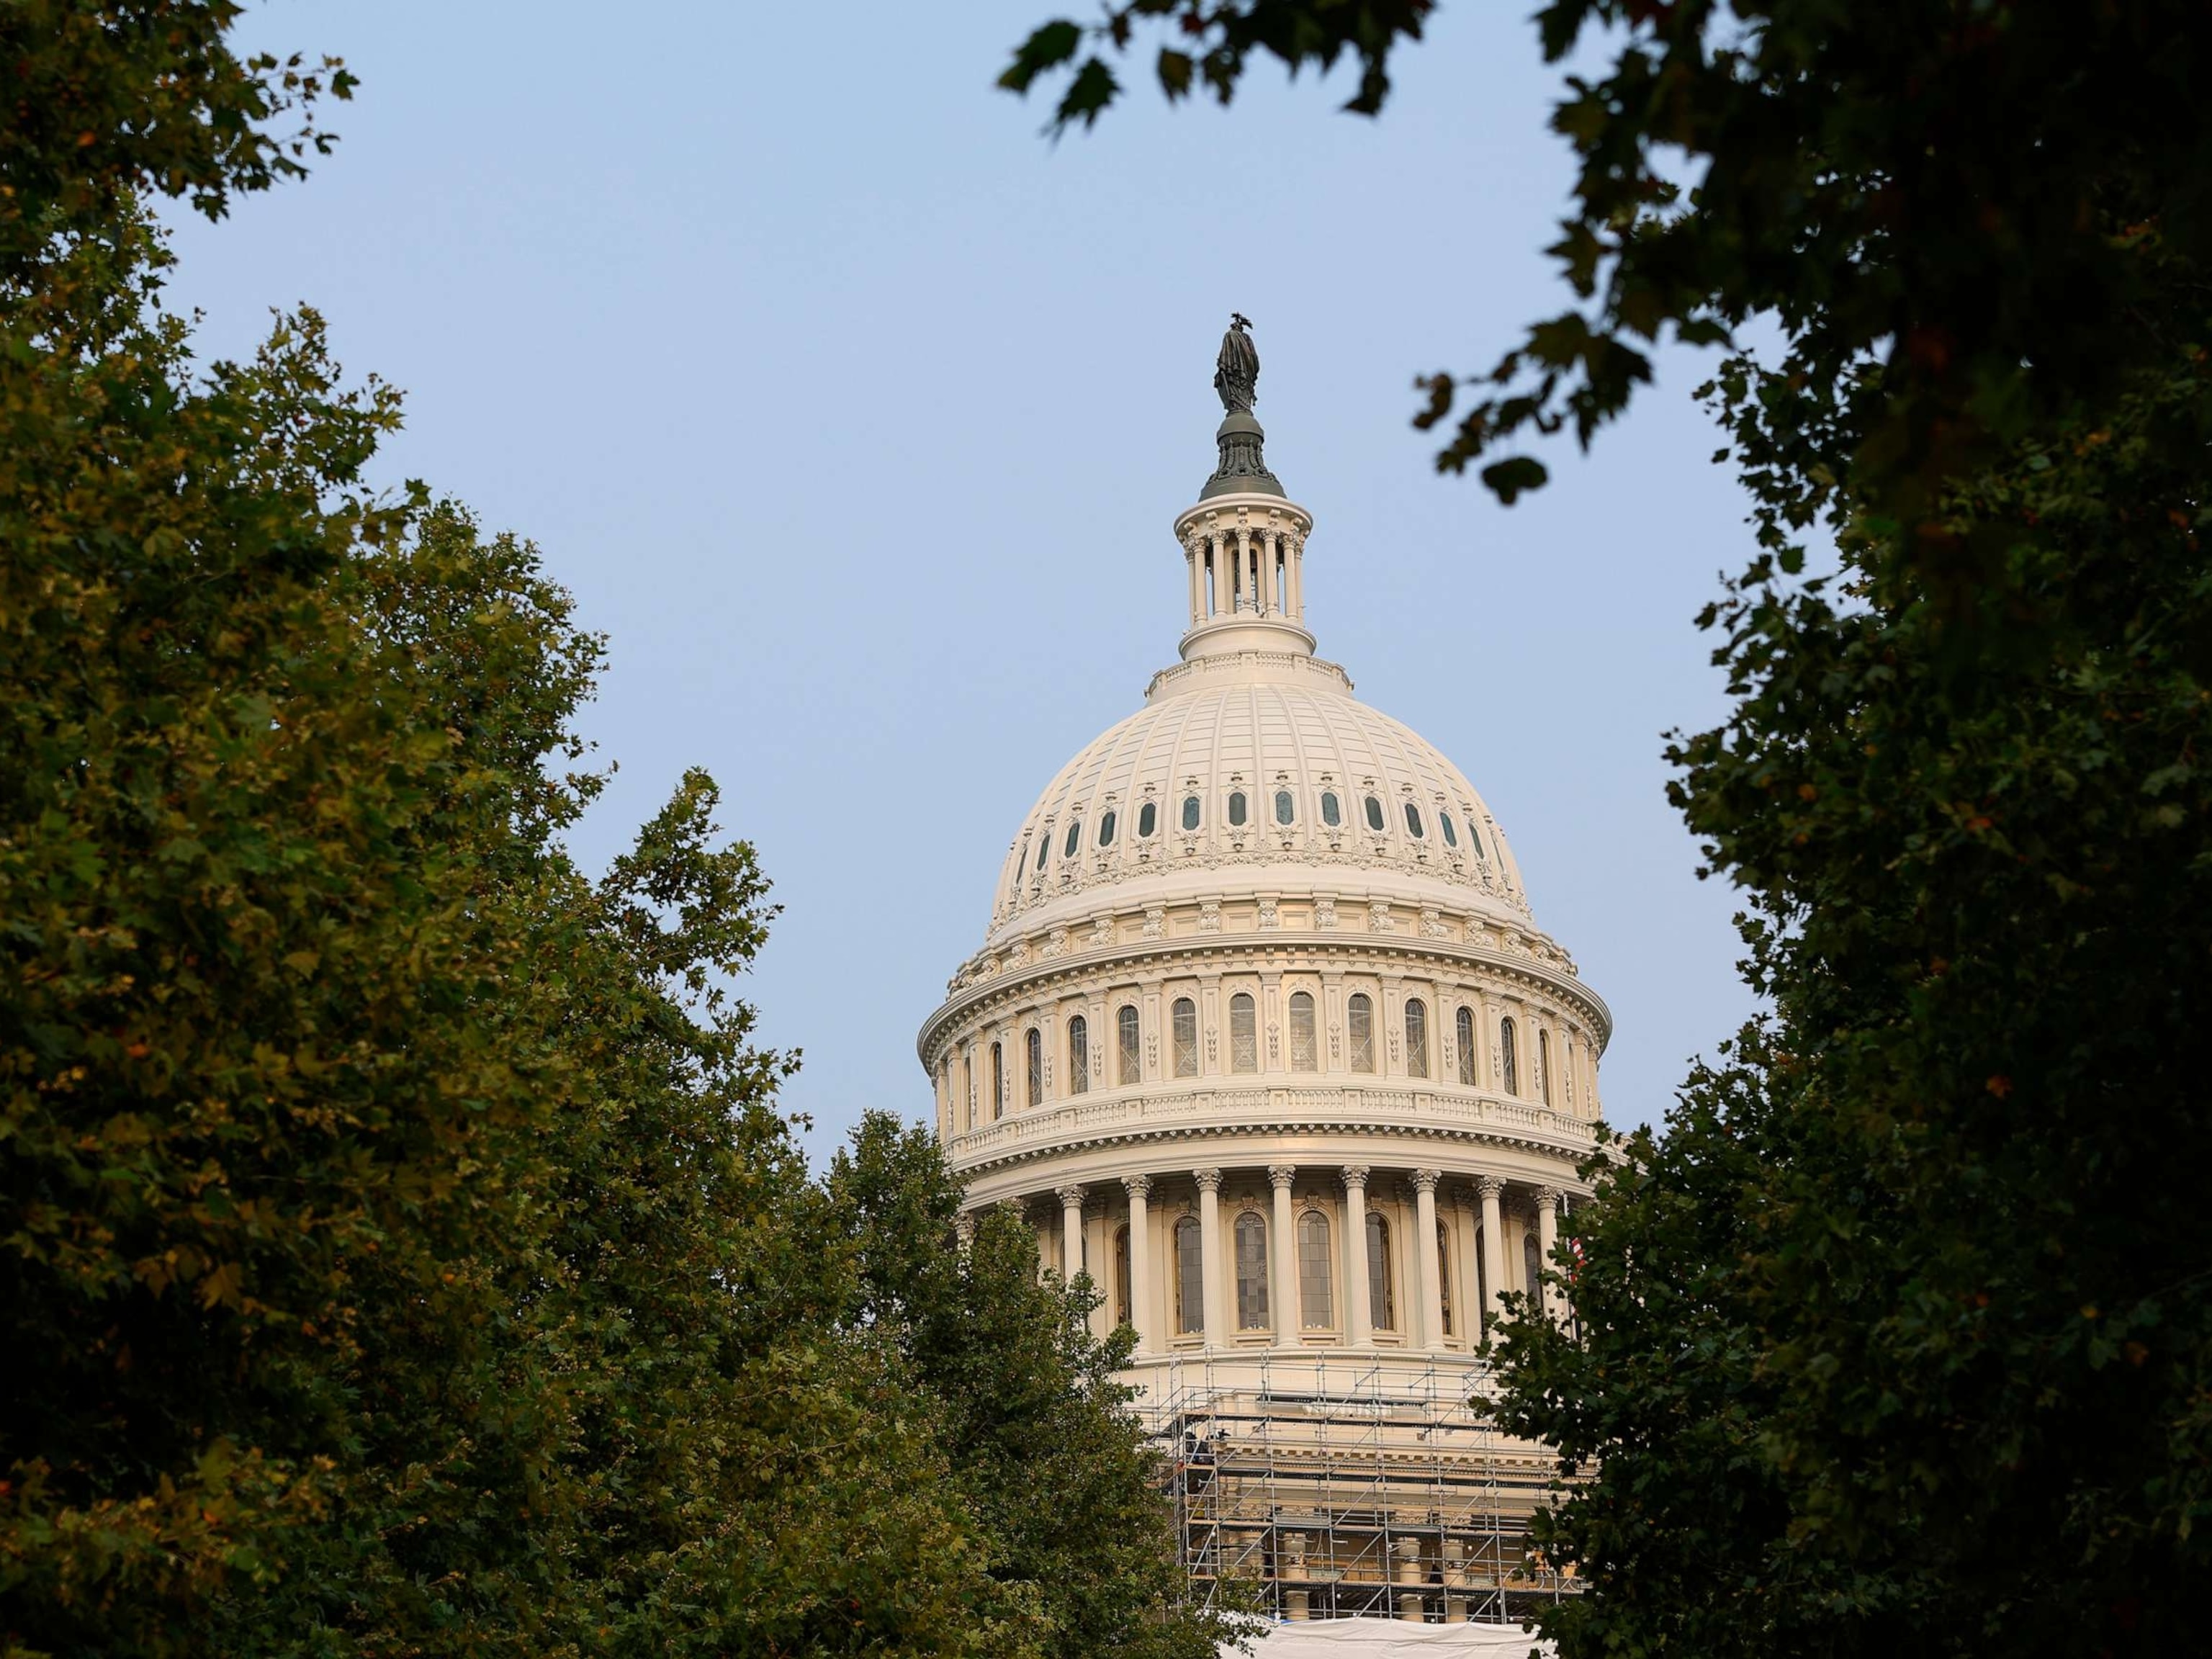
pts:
[1490, 1186]
[1355, 1175]
[1140, 1186]
[1281, 1175]
[1070, 1195]
[963, 1228]
[1209, 1181]
[1548, 1197]
[1424, 1181]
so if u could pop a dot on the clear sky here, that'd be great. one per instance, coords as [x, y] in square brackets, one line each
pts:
[856, 413]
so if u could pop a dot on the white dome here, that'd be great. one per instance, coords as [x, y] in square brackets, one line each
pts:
[1262, 725]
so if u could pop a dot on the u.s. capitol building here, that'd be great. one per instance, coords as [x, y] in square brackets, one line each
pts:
[1265, 1037]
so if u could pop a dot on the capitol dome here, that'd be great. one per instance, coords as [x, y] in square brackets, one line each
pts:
[1264, 1039]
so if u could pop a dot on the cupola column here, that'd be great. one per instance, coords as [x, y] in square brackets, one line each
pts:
[1140, 1262]
[1426, 1259]
[1493, 1247]
[1210, 1257]
[1356, 1330]
[1285, 1253]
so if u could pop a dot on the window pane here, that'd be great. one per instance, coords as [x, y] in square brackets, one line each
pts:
[1186, 1037]
[1078, 1055]
[1121, 1276]
[1075, 839]
[1303, 1056]
[1509, 1063]
[1451, 835]
[1148, 819]
[1035, 1066]
[1381, 1304]
[1317, 1293]
[1190, 811]
[1044, 847]
[1243, 1034]
[1251, 1273]
[1190, 1277]
[1331, 813]
[998, 1081]
[1106, 829]
[1286, 808]
[1130, 1061]
[1417, 1037]
[1413, 820]
[1236, 810]
[1466, 1035]
[1544, 1063]
[1532, 1261]
[1374, 815]
[1443, 1273]
[1359, 1021]
[1474, 837]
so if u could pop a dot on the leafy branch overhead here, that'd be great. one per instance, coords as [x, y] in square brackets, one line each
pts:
[1900, 190]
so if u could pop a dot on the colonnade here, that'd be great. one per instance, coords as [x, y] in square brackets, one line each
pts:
[1241, 569]
[1154, 1291]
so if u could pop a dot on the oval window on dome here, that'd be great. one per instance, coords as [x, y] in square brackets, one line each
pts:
[1148, 819]
[1286, 808]
[1331, 813]
[1190, 811]
[1106, 827]
[1044, 848]
[1475, 837]
[1451, 835]
[1237, 809]
[1413, 821]
[1374, 815]
[1075, 839]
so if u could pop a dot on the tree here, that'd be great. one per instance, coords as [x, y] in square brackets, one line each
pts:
[1896, 1338]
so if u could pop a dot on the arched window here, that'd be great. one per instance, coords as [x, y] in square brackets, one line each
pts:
[1444, 1274]
[1544, 1063]
[1190, 811]
[1417, 1037]
[1078, 1055]
[1121, 1276]
[1251, 1272]
[1359, 1021]
[1190, 1277]
[1186, 1037]
[1316, 1273]
[1106, 827]
[1465, 1032]
[1074, 838]
[1148, 819]
[1036, 1044]
[1413, 821]
[1451, 835]
[1243, 1034]
[998, 1081]
[1508, 1062]
[1374, 815]
[1287, 808]
[1331, 813]
[1382, 1283]
[1238, 811]
[1128, 1060]
[1532, 1262]
[1303, 1055]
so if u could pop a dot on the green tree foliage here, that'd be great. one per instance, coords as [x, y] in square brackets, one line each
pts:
[1898, 1338]
[400, 1249]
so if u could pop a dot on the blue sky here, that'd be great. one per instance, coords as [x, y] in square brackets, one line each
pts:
[856, 413]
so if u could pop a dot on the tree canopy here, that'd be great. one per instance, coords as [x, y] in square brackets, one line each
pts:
[1895, 1337]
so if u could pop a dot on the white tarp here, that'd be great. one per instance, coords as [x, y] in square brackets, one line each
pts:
[1387, 1638]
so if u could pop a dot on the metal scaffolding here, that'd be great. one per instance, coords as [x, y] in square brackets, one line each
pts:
[1340, 1491]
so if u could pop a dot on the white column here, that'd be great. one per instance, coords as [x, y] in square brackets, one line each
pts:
[1356, 1330]
[963, 1231]
[1493, 1247]
[1209, 1252]
[1547, 1239]
[1071, 1232]
[1294, 559]
[1193, 566]
[1287, 1324]
[1224, 595]
[1140, 1263]
[1431, 1331]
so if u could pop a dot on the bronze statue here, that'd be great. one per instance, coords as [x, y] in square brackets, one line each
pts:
[1237, 371]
